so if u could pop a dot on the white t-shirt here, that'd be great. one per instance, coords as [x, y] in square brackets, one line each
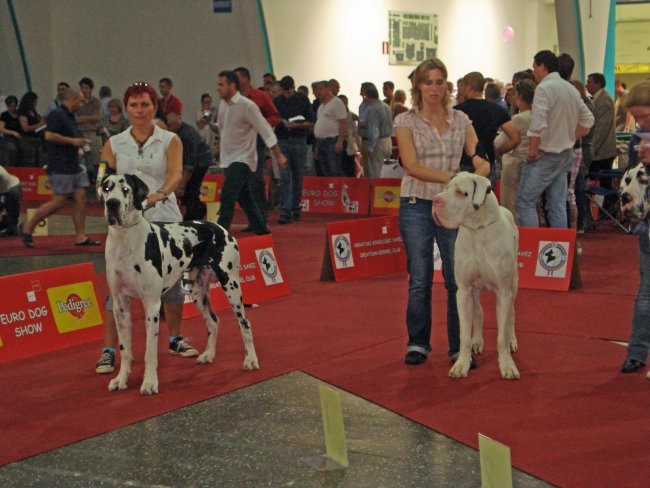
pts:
[327, 118]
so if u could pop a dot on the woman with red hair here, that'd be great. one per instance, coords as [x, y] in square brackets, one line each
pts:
[155, 156]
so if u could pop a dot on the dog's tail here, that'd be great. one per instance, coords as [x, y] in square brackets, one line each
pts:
[251, 305]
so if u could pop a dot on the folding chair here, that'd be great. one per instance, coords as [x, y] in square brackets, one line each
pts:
[605, 200]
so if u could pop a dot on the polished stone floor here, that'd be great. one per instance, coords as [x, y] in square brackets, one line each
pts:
[261, 436]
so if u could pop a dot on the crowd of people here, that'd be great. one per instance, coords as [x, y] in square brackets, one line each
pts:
[541, 134]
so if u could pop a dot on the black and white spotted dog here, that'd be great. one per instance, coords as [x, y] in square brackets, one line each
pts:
[144, 260]
[635, 193]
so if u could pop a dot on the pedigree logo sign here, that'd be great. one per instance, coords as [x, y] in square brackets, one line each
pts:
[43, 187]
[74, 306]
[47, 310]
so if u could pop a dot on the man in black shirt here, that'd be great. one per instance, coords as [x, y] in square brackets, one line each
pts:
[197, 158]
[297, 120]
[487, 118]
[66, 175]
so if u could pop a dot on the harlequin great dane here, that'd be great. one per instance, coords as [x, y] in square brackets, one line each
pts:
[144, 260]
[635, 193]
[485, 257]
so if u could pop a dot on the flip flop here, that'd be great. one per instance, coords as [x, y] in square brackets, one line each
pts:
[88, 242]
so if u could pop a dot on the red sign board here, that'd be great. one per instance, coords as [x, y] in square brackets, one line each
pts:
[545, 258]
[48, 310]
[259, 272]
[363, 247]
[34, 182]
[335, 195]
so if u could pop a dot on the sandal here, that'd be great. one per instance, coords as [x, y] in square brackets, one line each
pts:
[88, 242]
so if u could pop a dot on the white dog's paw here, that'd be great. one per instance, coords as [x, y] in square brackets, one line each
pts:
[251, 363]
[117, 383]
[206, 357]
[477, 345]
[508, 370]
[459, 369]
[149, 386]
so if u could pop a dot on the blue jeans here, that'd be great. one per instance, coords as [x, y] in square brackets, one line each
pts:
[330, 160]
[547, 174]
[418, 233]
[639, 344]
[295, 150]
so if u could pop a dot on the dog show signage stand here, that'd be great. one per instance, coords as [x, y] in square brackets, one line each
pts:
[259, 272]
[46, 310]
[364, 247]
[544, 261]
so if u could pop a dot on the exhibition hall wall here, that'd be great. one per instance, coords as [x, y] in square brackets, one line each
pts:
[121, 41]
[342, 39]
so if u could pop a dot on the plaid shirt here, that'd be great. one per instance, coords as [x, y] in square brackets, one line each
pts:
[432, 149]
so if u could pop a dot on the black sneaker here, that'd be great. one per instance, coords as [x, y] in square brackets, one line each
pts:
[248, 228]
[284, 220]
[180, 347]
[296, 217]
[106, 363]
[415, 357]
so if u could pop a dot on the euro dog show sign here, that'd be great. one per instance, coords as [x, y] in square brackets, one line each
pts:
[48, 310]
[34, 182]
[335, 195]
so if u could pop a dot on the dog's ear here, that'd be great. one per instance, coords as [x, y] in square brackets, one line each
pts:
[482, 187]
[140, 190]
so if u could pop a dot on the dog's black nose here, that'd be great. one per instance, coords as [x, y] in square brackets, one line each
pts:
[112, 204]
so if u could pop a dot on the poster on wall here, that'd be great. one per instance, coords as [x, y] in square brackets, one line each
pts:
[413, 37]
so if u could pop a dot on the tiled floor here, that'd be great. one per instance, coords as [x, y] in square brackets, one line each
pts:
[263, 435]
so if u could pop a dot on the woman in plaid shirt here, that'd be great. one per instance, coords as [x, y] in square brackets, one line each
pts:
[431, 139]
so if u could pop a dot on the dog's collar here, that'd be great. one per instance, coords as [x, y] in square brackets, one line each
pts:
[479, 227]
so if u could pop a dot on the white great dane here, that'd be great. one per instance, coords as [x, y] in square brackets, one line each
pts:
[144, 260]
[485, 257]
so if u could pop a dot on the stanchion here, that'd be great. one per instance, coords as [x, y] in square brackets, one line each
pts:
[336, 452]
[496, 467]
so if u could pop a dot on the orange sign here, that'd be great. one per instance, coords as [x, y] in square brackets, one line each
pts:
[48, 310]
[385, 196]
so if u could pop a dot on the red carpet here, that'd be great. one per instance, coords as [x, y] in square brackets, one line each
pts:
[572, 419]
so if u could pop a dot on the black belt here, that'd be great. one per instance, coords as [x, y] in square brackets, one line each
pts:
[294, 136]
[327, 138]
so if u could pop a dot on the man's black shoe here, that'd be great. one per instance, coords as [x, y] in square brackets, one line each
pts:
[415, 357]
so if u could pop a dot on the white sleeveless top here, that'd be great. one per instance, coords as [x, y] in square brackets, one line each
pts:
[148, 163]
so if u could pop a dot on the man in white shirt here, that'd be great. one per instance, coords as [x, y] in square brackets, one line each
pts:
[240, 120]
[559, 117]
[329, 130]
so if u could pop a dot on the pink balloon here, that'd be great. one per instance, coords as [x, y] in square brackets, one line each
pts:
[507, 34]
